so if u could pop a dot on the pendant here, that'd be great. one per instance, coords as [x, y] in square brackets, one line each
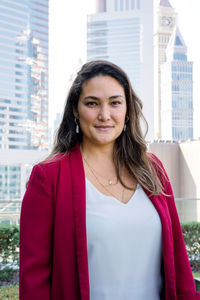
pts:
[109, 181]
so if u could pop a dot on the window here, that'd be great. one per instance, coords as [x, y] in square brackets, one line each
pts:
[127, 4]
[116, 5]
[138, 4]
[121, 5]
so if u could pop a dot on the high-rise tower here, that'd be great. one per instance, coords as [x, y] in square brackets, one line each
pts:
[23, 74]
[23, 92]
[122, 32]
[177, 91]
[165, 22]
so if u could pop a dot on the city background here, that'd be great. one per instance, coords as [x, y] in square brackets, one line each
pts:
[42, 46]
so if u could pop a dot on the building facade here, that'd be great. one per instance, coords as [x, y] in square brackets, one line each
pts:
[177, 91]
[15, 169]
[23, 89]
[122, 32]
[24, 74]
[165, 22]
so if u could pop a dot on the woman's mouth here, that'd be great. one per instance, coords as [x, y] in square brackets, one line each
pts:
[103, 128]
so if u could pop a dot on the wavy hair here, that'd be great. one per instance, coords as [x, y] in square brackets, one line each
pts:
[130, 149]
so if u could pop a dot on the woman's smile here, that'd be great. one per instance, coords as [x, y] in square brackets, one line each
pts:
[103, 128]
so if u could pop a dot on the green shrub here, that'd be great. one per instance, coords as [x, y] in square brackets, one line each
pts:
[9, 243]
[191, 234]
[9, 293]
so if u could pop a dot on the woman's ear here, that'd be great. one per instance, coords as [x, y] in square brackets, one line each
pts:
[75, 113]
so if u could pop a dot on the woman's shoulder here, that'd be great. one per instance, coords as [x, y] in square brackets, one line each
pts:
[155, 160]
[159, 168]
[49, 167]
[57, 165]
[58, 160]
[54, 159]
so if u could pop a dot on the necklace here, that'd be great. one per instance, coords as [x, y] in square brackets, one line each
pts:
[104, 187]
[110, 181]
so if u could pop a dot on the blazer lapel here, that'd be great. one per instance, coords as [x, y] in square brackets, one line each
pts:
[79, 200]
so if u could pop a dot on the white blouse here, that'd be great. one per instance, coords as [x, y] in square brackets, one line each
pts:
[124, 243]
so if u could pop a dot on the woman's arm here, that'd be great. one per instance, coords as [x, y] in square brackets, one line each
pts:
[185, 285]
[184, 279]
[36, 234]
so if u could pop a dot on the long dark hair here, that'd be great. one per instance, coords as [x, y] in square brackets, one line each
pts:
[130, 149]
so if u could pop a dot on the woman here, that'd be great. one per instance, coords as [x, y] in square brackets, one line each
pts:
[98, 219]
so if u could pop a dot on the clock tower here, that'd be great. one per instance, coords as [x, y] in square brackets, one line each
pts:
[165, 22]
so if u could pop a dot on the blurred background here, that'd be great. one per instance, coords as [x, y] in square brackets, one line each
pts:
[44, 43]
[42, 46]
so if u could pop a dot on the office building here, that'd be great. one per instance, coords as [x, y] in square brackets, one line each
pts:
[165, 22]
[177, 91]
[122, 32]
[14, 175]
[24, 74]
[23, 88]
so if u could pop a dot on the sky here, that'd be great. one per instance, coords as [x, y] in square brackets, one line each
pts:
[67, 45]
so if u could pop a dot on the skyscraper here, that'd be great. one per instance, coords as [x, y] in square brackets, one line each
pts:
[122, 32]
[165, 22]
[23, 90]
[177, 91]
[24, 74]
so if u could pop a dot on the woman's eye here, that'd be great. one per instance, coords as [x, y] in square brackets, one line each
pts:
[115, 103]
[91, 104]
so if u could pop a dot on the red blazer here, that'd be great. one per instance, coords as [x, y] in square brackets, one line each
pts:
[53, 245]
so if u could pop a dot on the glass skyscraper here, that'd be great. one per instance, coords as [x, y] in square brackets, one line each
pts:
[119, 42]
[24, 74]
[177, 91]
[24, 27]
[122, 32]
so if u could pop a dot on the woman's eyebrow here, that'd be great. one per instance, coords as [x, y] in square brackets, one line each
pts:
[116, 96]
[96, 98]
[91, 97]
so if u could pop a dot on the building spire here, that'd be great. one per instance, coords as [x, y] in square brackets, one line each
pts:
[176, 45]
[176, 39]
[165, 3]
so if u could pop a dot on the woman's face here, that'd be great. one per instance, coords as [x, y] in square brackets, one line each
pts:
[101, 110]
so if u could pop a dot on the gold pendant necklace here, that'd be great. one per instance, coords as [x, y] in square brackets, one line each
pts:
[110, 181]
[104, 187]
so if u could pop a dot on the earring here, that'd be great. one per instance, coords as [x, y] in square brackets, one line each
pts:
[77, 127]
[124, 127]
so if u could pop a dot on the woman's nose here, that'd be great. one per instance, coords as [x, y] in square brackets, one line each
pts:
[104, 113]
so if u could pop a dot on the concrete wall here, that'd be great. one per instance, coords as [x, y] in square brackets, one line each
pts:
[190, 177]
[169, 154]
[182, 163]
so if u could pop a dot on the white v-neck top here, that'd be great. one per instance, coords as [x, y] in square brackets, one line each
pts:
[124, 243]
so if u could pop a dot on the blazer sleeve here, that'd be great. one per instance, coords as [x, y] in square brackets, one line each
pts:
[185, 285]
[36, 234]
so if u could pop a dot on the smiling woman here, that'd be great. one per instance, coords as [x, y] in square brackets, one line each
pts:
[98, 219]
[101, 111]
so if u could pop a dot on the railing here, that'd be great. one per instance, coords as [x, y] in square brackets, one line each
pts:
[188, 210]
[10, 211]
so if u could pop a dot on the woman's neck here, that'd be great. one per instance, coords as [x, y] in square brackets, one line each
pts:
[97, 153]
